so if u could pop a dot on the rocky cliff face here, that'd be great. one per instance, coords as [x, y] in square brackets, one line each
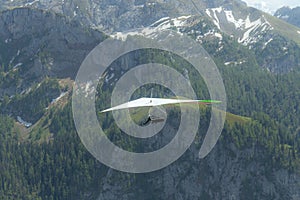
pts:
[108, 15]
[35, 44]
[290, 15]
[122, 15]
[248, 26]
[227, 173]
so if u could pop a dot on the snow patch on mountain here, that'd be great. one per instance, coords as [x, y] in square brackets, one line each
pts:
[162, 24]
[254, 29]
[23, 122]
[266, 44]
[247, 29]
[31, 3]
[214, 15]
[17, 65]
[230, 18]
[59, 97]
[285, 17]
[180, 25]
[218, 35]
[235, 62]
[162, 20]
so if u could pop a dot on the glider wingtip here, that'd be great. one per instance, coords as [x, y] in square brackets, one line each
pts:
[210, 101]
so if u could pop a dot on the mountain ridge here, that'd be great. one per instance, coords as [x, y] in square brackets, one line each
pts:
[249, 26]
[290, 15]
[33, 51]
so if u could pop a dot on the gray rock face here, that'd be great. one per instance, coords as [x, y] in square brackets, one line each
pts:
[226, 173]
[290, 15]
[119, 15]
[116, 15]
[249, 26]
[36, 43]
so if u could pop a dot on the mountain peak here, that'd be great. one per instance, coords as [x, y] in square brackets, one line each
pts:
[290, 15]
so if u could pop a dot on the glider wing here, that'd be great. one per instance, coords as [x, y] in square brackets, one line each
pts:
[150, 102]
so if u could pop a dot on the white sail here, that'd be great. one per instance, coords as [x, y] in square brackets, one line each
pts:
[150, 102]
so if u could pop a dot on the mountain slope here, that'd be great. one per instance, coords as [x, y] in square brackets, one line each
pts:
[261, 35]
[290, 15]
[256, 157]
[258, 31]
[41, 44]
[36, 45]
[248, 26]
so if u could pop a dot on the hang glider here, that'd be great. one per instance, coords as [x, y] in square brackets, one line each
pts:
[151, 102]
